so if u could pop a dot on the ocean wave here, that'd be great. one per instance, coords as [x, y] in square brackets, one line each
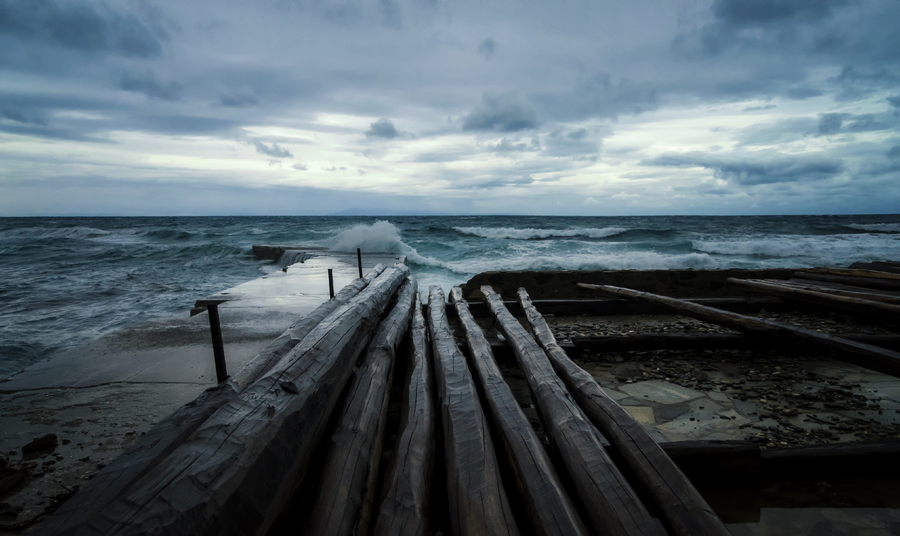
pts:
[169, 234]
[876, 227]
[379, 237]
[634, 260]
[45, 233]
[817, 250]
[539, 234]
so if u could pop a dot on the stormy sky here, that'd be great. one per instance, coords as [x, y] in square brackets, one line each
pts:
[574, 107]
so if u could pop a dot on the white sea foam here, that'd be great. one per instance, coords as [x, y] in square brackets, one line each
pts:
[535, 234]
[380, 237]
[813, 250]
[878, 227]
[632, 260]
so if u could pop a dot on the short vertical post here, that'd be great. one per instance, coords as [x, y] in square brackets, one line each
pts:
[359, 261]
[218, 347]
[330, 283]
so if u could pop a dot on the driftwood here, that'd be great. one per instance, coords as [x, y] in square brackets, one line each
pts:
[611, 505]
[623, 307]
[869, 356]
[854, 273]
[345, 499]
[406, 508]
[238, 469]
[682, 505]
[878, 266]
[547, 504]
[840, 290]
[166, 435]
[856, 281]
[478, 502]
[846, 303]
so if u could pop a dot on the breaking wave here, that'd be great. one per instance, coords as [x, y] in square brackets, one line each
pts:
[876, 227]
[539, 234]
[379, 237]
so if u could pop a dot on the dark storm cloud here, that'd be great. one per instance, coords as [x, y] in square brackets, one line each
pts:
[760, 12]
[895, 101]
[598, 96]
[19, 117]
[830, 123]
[501, 112]
[487, 47]
[149, 86]
[51, 133]
[238, 100]
[275, 150]
[894, 152]
[86, 26]
[383, 128]
[507, 145]
[754, 170]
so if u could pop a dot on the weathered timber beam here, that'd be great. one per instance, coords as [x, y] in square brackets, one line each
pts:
[166, 435]
[237, 471]
[547, 504]
[701, 341]
[878, 266]
[869, 356]
[617, 307]
[612, 507]
[873, 274]
[839, 289]
[845, 303]
[344, 502]
[843, 460]
[406, 508]
[682, 505]
[867, 282]
[478, 502]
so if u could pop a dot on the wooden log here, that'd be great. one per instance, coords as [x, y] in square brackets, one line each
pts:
[478, 502]
[237, 471]
[872, 274]
[406, 508]
[717, 462]
[612, 507]
[840, 290]
[845, 303]
[345, 499]
[867, 282]
[682, 505]
[547, 504]
[166, 435]
[843, 460]
[869, 356]
[878, 266]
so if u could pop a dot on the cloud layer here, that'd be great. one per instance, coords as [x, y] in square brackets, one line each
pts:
[727, 106]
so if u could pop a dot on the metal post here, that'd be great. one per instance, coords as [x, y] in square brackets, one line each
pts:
[330, 283]
[218, 348]
[359, 260]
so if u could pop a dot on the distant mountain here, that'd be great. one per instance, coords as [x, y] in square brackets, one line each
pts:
[388, 212]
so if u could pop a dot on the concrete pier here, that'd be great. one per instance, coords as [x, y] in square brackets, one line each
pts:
[98, 398]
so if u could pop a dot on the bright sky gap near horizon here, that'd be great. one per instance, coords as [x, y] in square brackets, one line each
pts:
[155, 107]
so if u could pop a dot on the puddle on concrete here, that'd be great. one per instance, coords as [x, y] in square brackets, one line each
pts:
[858, 507]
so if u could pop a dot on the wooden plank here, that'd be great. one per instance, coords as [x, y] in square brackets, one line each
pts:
[844, 460]
[867, 282]
[699, 341]
[406, 508]
[605, 307]
[547, 504]
[478, 502]
[611, 506]
[685, 510]
[345, 499]
[166, 435]
[873, 357]
[845, 303]
[237, 471]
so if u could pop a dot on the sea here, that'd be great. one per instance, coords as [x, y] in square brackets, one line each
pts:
[65, 281]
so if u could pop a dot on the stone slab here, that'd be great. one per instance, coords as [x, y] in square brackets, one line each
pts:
[660, 392]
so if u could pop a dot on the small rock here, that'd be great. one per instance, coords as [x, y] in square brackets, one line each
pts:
[101, 465]
[47, 442]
